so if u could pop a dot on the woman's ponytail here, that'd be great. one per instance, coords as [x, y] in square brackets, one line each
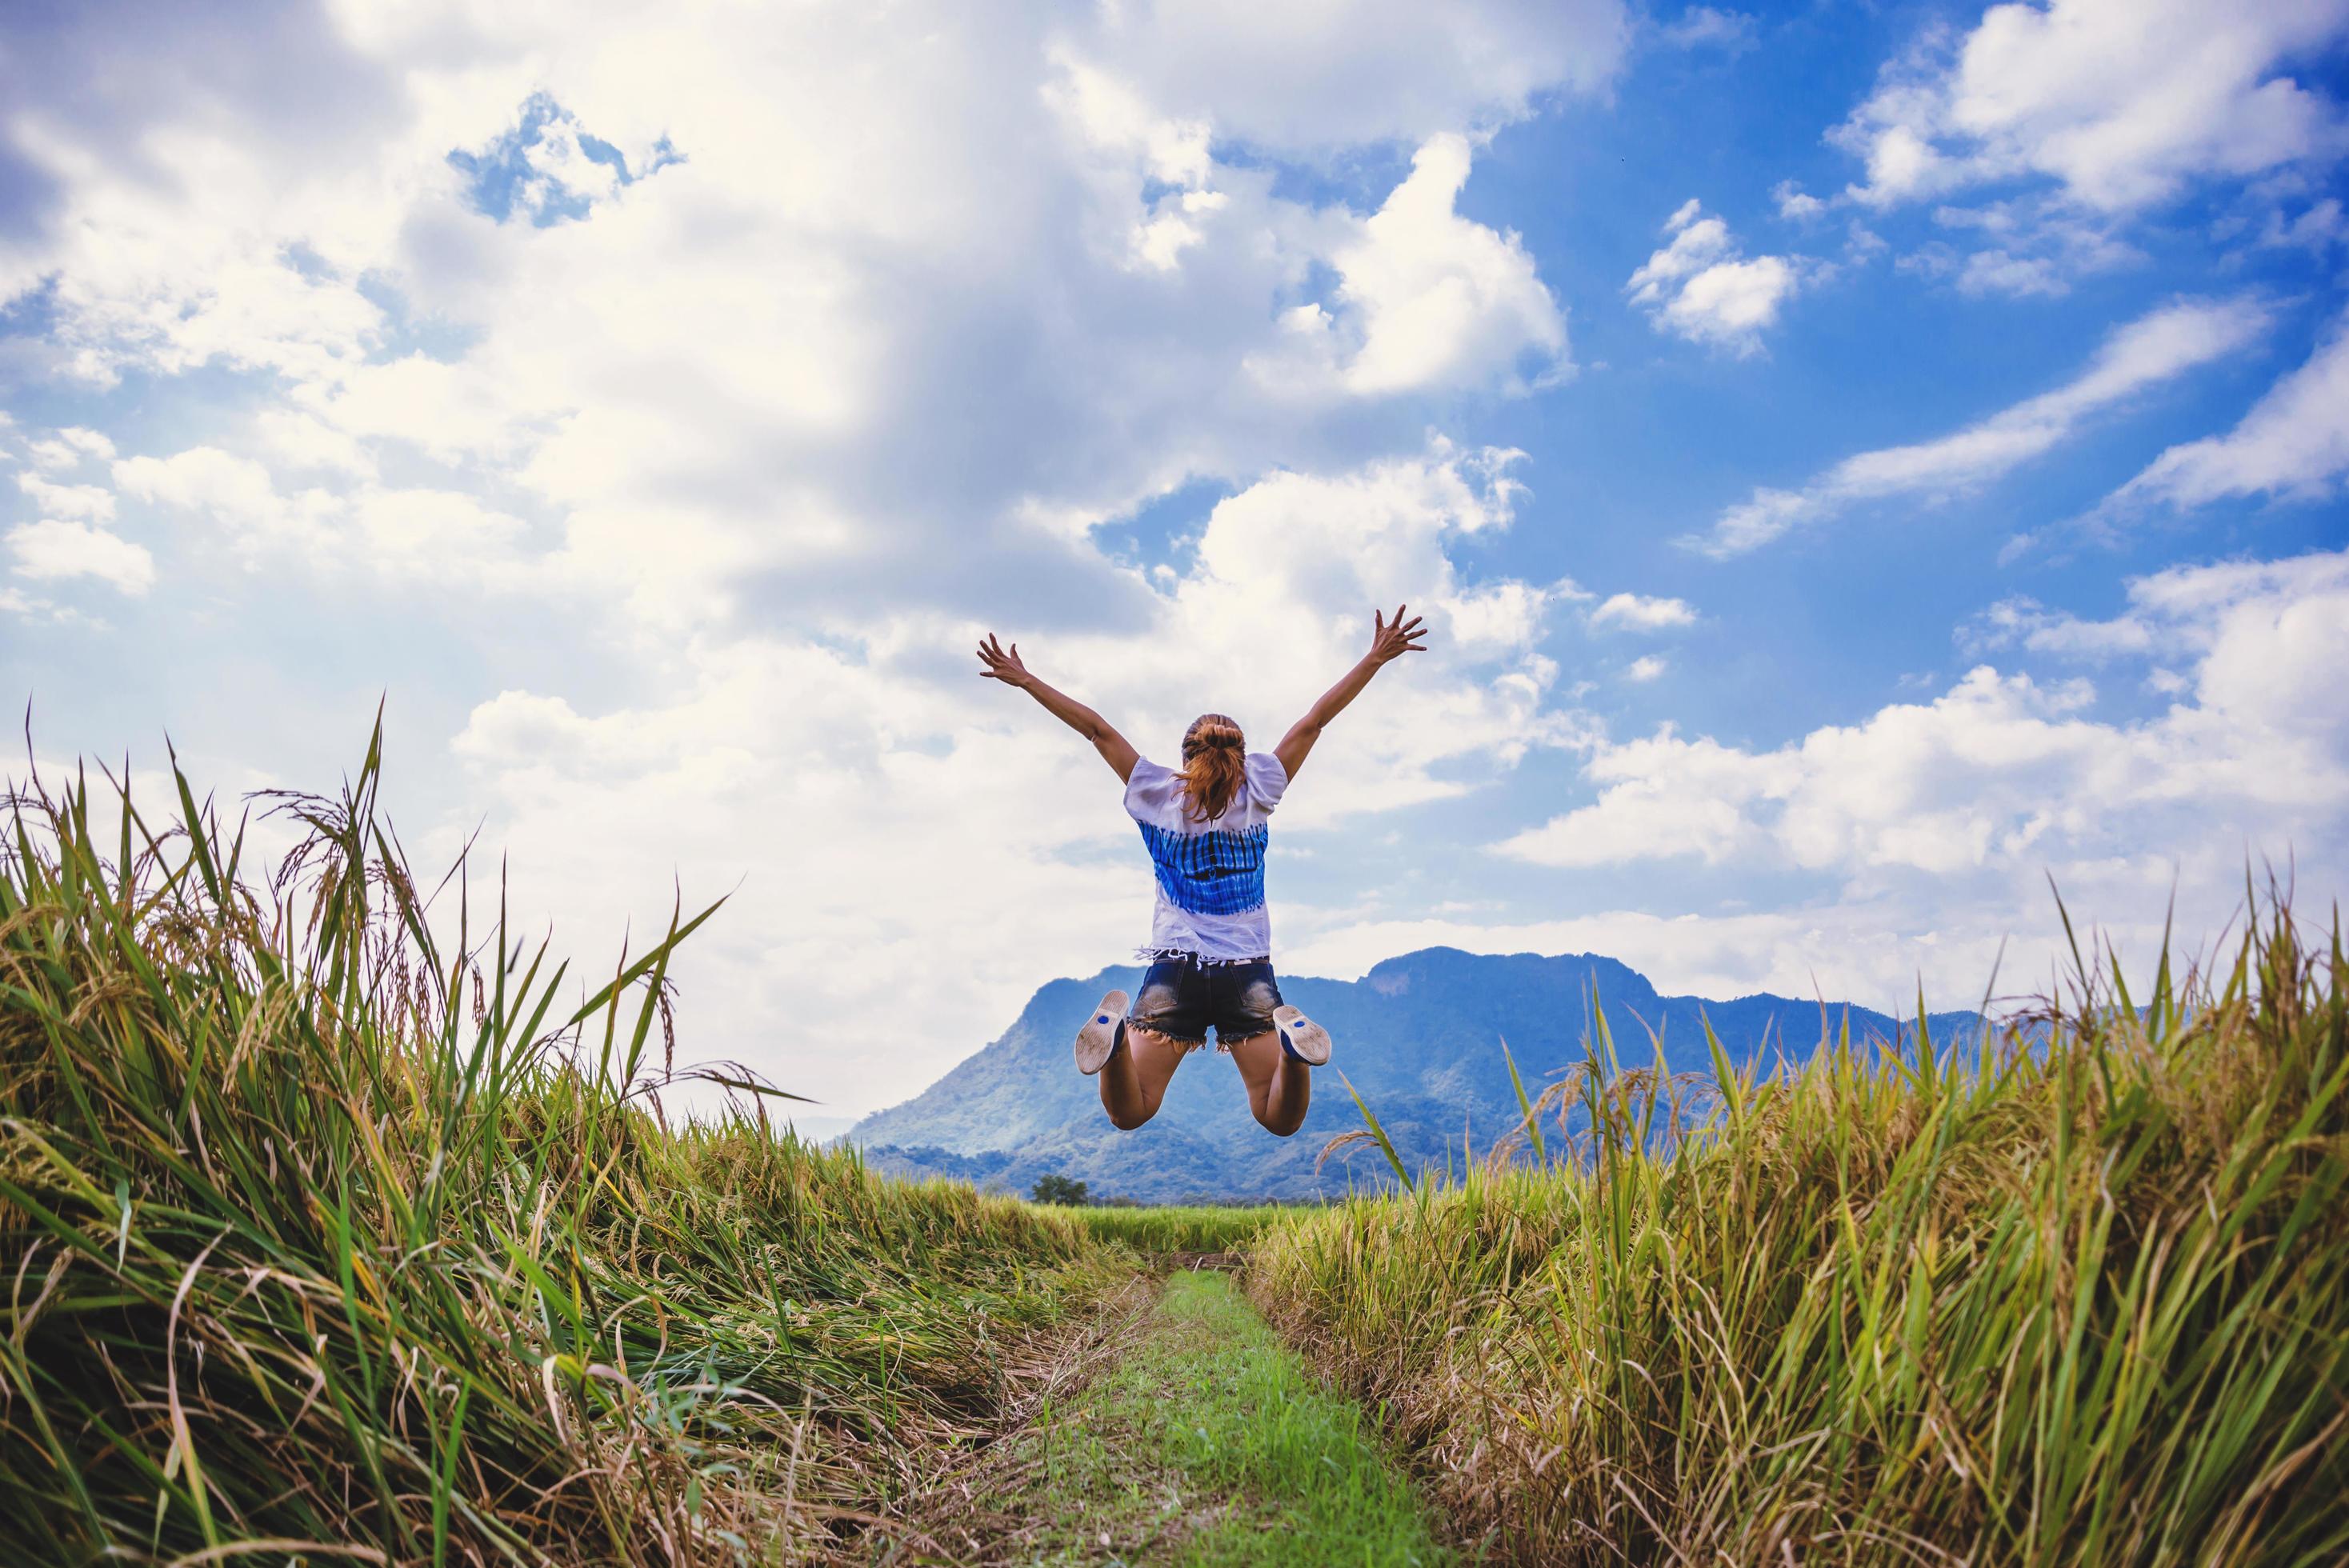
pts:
[1214, 761]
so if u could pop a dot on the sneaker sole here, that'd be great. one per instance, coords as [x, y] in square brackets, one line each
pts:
[1098, 1038]
[1302, 1038]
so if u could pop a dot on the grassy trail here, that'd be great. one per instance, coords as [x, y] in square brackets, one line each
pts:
[1202, 1440]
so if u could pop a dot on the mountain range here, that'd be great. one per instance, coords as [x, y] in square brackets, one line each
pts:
[1419, 1037]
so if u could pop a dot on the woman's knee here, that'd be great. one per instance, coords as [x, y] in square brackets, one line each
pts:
[1278, 1124]
[1126, 1117]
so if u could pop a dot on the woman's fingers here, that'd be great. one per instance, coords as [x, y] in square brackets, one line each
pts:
[991, 654]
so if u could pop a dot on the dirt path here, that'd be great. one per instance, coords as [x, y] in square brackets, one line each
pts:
[1180, 1430]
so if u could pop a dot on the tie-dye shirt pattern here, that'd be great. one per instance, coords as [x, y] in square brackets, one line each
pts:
[1210, 875]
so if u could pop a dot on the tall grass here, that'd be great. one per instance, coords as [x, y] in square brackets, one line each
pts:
[2079, 1294]
[318, 1242]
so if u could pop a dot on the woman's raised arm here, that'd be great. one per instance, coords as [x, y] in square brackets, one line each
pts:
[1390, 640]
[1114, 749]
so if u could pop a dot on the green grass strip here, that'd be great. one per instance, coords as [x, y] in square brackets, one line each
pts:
[1211, 1445]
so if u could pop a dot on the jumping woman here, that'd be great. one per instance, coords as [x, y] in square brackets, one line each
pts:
[1210, 951]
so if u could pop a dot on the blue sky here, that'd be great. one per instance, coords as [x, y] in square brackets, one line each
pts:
[1859, 461]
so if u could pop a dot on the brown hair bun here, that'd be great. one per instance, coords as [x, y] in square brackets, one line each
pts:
[1215, 762]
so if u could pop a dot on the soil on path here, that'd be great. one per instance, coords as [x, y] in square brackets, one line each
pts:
[1178, 1431]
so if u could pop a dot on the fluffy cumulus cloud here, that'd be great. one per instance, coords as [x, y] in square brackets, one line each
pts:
[1637, 611]
[70, 534]
[1425, 298]
[2121, 103]
[1702, 287]
[1939, 819]
[956, 276]
[2153, 349]
[2094, 111]
[2006, 771]
[713, 377]
[52, 547]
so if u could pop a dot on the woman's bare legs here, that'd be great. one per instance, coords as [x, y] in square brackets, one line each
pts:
[1134, 1079]
[1279, 1088]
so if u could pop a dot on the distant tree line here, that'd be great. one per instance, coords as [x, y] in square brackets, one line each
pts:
[1058, 1188]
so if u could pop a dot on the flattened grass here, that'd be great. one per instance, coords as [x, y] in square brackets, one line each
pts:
[2076, 1297]
[318, 1242]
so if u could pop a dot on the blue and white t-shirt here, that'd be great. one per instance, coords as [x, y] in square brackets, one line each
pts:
[1210, 873]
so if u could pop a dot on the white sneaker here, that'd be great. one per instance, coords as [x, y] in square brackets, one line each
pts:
[1303, 1040]
[1098, 1038]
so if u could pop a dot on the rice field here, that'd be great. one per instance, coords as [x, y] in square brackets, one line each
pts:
[321, 1242]
[338, 1225]
[2075, 1295]
[1163, 1232]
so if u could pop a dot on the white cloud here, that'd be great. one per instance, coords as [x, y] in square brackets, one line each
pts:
[236, 494]
[2037, 246]
[1709, 27]
[2145, 353]
[1935, 827]
[449, 411]
[1638, 613]
[2318, 227]
[1794, 202]
[2024, 620]
[2101, 109]
[2121, 102]
[52, 550]
[1701, 286]
[2003, 775]
[1009, 230]
[1645, 668]
[370, 532]
[92, 503]
[66, 449]
[1427, 299]
[912, 288]
[2294, 442]
[1310, 78]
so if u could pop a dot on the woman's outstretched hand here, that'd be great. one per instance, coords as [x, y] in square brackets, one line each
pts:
[1391, 640]
[1003, 666]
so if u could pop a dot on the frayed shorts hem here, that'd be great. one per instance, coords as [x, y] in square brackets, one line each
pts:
[1188, 1042]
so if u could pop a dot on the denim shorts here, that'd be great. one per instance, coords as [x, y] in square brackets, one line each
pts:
[1181, 996]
